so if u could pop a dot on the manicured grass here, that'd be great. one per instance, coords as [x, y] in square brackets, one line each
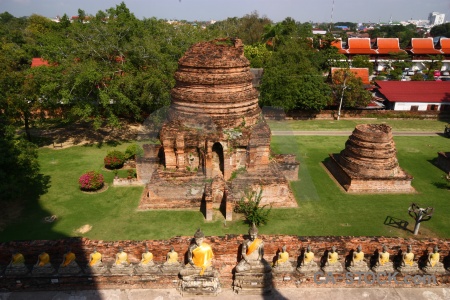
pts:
[324, 209]
[397, 125]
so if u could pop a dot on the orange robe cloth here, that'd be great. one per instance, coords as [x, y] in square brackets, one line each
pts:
[202, 256]
[253, 246]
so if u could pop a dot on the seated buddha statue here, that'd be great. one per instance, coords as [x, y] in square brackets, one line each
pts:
[307, 263]
[95, 264]
[199, 257]
[172, 264]
[407, 264]
[69, 264]
[433, 265]
[282, 264]
[383, 264]
[146, 265]
[17, 265]
[332, 263]
[121, 264]
[357, 263]
[43, 265]
[252, 254]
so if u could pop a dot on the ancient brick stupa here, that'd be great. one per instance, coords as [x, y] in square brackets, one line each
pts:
[215, 144]
[369, 164]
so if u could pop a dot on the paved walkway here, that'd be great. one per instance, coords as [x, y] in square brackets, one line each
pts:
[347, 133]
[432, 293]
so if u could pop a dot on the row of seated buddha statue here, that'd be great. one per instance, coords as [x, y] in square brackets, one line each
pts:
[380, 262]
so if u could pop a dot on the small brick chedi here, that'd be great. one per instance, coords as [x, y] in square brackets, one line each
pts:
[369, 164]
[215, 143]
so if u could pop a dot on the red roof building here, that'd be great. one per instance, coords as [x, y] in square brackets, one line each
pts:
[388, 45]
[360, 46]
[37, 62]
[362, 73]
[416, 95]
[423, 46]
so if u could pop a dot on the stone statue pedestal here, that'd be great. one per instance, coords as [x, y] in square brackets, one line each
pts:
[387, 268]
[250, 283]
[121, 269]
[438, 269]
[285, 267]
[200, 285]
[46, 270]
[358, 267]
[171, 268]
[308, 269]
[144, 269]
[409, 269]
[96, 270]
[16, 270]
[71, 269]
[333, 268]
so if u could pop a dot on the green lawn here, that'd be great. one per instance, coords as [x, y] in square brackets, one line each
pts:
[324, 209]
[397, 125]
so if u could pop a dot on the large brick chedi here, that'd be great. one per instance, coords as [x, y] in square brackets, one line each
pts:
[369, 162]
[215, 143]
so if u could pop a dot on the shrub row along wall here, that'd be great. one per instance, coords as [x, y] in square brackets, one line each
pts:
[279, 114]
[226, 249]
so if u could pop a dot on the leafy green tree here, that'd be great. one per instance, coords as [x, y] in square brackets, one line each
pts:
[362, 61]
[257, 55]
[441, 30]
[434, 63]
[349, 88]
[398, 61]
[291, 81]
[20, 180]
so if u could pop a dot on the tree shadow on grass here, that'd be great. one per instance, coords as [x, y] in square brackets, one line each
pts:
[397, 223]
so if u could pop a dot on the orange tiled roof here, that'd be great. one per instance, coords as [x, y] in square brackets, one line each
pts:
[338, 44]
[360, 46]
[423, 46]
[362, 73]
[445, 46]
[37, 62]
[387, 45]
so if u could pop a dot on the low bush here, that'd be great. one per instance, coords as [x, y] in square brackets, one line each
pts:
[114, 160]
[133, 150]
[91, 181]
[253, 212]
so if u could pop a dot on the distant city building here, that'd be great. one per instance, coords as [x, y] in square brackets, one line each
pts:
[436, 18]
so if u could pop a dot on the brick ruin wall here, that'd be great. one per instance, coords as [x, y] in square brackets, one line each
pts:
[226, 249]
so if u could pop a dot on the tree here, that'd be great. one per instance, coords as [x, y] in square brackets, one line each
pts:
[362, 61]
[20, 180]
[398, 61]
[435, 63]
[258, 55]
[290, 80]
[441, 30]
[349, 89]
[250, 206]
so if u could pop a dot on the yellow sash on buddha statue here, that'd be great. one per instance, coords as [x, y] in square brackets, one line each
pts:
[434, 259]
[309, 256]
[122, 257]
[253, 246]
[202, 256]
[384, 258]
[95, 258]
[332, 257]
[18, 259]
[358, 256]
[68, 259]
[147, 258]
[44, 259]
[284, 257]
[409, 259]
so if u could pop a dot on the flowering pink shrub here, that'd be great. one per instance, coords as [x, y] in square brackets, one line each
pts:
[114, 160]
[91, 181]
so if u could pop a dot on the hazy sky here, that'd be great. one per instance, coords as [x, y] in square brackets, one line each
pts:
[276, 10]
